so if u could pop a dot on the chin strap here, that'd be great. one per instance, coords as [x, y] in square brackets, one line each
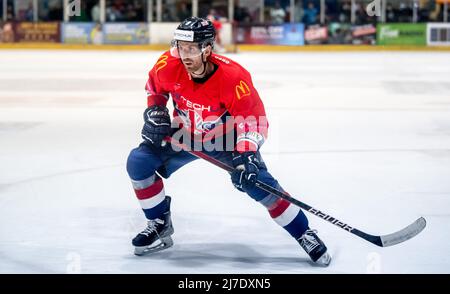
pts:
[204, 67]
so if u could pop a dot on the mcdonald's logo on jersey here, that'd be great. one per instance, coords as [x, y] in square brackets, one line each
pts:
[242, 90]
[161, 63]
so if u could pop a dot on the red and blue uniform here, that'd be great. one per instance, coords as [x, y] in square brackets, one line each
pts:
[202, 109]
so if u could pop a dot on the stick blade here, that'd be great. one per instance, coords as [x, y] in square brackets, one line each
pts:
[405, 234]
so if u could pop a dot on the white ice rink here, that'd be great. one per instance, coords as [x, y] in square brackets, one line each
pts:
[364, 137]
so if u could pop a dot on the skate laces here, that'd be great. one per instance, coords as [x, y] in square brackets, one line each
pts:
[152, 226]
[313, 231]
[308, 241]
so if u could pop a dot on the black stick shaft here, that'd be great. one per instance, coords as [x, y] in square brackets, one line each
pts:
[373, 239]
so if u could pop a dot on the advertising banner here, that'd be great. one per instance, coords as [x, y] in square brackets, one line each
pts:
[37, 32]
[316, 34]
[81, 33]
[6, 32]
[364, 34]
[401, 34]
[286, 34]
[341, 33]
[125, 33]
[438, 34]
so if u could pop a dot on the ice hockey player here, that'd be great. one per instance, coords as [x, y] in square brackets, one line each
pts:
[208, 91]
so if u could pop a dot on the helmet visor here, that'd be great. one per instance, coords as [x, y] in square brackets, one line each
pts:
[183, 50]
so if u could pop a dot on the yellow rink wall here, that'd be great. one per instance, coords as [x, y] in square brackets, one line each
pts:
[237, 48]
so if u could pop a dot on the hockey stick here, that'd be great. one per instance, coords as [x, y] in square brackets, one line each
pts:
[383, 241]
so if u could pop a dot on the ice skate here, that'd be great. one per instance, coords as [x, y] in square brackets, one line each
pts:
[157, 235]
[315, 248]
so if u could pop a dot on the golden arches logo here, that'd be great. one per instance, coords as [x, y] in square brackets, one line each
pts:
[242, 90]
[161, 63]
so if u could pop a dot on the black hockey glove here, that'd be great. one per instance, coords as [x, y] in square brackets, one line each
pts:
[246, 169]
[157, 124]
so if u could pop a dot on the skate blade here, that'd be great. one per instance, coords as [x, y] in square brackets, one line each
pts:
[324, 260]
[166, 242]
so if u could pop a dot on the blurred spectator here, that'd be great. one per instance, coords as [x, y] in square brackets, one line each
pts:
[139, 8]
[428, 11]
[361, 16]
[277, 14]
[220, 7]
[130, 13]
[405, 12]
[19, 10]
[55, 11]
[310, 14]
[434, 12]
[345, 12]
[167, 15]
[241, 14]
[214, 17]
[121, 10]
[298, 11]
[27, 14]
[95, 13]
[331, 11]
[390, 14]
[113, 14]
[183, 12]
[10, 13]
[50, 10]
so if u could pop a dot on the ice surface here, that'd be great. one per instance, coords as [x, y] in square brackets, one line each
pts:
[362, 136]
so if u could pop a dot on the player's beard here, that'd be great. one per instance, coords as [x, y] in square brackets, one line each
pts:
[193, 66]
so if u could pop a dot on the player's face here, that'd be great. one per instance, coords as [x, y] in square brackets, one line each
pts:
[191, 55]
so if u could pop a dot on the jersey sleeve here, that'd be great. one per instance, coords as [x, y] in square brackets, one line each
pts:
[247, 109]
[156, 94]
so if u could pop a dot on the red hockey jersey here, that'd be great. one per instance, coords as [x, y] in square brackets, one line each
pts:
[205, 107]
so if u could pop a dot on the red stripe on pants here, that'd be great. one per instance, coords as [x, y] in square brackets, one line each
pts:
[280, 206]
[151, 190]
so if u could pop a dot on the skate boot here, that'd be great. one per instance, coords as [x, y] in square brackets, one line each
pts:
[159, 229]
[315, 248]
